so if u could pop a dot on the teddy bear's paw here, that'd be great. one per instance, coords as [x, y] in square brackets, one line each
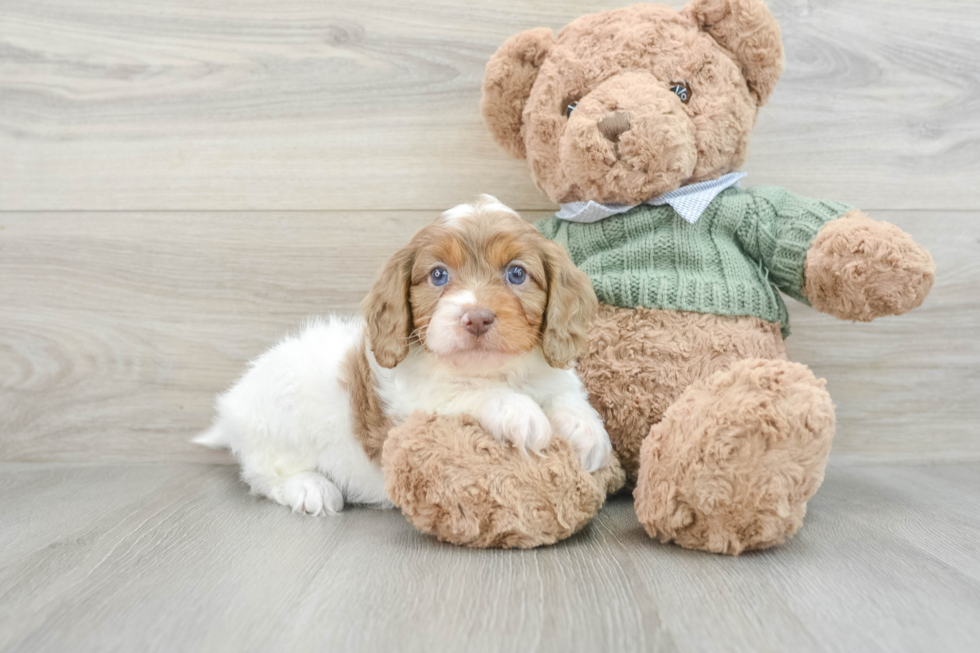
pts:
[517, 419]
[731, 466]
[861, 269]
[583, 429]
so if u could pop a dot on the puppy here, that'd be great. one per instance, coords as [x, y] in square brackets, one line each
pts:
[478, 314]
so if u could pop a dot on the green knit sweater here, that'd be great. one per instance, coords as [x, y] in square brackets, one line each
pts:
[745, 247]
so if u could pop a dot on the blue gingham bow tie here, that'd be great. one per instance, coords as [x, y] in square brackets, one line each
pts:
[689, 201]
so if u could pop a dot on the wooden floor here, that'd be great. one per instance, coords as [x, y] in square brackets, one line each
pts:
[183, 182]
[178, 557]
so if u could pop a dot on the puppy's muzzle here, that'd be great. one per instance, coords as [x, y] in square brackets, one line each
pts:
[477, 320]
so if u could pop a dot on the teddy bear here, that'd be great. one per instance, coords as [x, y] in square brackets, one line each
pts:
[635, 122]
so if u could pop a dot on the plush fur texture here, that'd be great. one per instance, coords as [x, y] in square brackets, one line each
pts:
[508, 83]
[639, 361]
[733, 462]
[452, 480]
[747, 30]
[309, 418]
[860, 269]
[725, 439]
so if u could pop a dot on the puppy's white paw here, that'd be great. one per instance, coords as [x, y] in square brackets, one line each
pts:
[583, 429]
[309, 492]
[517, 419]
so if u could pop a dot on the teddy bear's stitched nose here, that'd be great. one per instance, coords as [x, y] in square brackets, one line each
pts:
[614, 124]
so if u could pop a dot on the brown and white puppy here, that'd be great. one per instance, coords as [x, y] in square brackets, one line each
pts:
[478, 314]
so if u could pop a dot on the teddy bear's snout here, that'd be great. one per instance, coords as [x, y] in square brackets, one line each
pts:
[628, 140]
[614, 124]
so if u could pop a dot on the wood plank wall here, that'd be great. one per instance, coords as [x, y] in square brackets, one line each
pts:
[183, 182]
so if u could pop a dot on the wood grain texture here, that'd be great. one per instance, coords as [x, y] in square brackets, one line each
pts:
[179, 558]
[263, 159]
[119, 329]
[126, 325]
[373, 104]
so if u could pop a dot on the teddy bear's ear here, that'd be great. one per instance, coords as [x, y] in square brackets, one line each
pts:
[511, 72]
[747, 30]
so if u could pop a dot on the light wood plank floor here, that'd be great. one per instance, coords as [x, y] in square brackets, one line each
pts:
[178, 557]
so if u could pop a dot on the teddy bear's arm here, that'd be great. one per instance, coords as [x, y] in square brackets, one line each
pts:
[859, 269]
[776, 230]
[834, 257]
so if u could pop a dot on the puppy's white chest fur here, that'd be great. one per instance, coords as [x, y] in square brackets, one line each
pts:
[421, 382]
[523, 402]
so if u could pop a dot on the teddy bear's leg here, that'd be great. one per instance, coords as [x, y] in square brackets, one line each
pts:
[640, 360]
[735, 459]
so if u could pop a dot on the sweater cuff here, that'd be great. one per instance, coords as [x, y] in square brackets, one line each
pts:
[797, 222]
[790, 256]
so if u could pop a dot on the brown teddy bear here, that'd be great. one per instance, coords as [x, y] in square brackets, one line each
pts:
[635, 121]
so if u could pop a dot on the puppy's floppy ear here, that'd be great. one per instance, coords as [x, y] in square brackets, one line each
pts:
[387, 310]
[572, 306]
[747, 30]
[510, 75]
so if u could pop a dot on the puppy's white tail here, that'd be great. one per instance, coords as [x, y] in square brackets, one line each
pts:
[214, 438]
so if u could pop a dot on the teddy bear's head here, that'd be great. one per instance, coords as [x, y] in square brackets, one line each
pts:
[631, 103]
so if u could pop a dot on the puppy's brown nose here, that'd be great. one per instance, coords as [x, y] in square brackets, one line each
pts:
[478, 320]
[614, 124]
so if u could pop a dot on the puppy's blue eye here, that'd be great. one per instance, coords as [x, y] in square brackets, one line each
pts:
[516, 275]
[439, 276]
[571, 107]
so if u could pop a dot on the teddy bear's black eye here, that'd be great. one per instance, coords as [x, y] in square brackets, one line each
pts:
[568, 109]
[681, 90]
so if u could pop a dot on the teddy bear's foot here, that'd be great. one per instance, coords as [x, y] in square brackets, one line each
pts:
[735, 459]
[454, 480]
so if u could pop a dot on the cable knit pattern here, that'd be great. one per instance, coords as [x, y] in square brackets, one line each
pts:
[747, 246]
